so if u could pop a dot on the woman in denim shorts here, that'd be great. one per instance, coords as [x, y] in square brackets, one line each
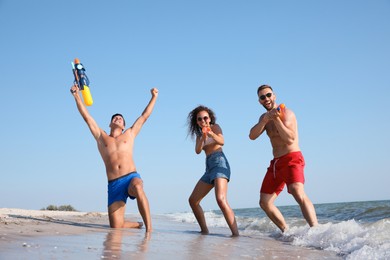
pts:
[209, 138]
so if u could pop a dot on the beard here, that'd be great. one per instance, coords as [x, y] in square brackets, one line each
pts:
[269, 106]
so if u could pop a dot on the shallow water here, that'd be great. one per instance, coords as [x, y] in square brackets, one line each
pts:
[169, 240]
[352, 230]
[356, 230]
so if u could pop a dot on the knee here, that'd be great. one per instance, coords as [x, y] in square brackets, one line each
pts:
[138, 189]
[115, 221]
[221, 201]
[264, 205]
[298, 194]
[192, 201]
[116, 225]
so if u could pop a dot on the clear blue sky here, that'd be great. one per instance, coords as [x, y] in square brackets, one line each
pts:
[329, 61]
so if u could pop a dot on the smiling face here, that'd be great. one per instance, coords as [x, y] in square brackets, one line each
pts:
[203, 119]
[117, 120]
[267, 98]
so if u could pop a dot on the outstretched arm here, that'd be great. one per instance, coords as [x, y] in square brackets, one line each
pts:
[136, 127]
[93, 127]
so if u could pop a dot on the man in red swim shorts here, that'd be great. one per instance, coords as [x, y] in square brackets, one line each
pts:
[287, 167]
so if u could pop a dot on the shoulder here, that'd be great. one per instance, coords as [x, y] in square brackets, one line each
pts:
[262, 116]
[101, 134]
[216, 128]
[128, 132]
[104, 135]
[289, 113]
[289, 118]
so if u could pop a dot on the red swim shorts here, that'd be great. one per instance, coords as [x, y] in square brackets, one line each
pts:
[286, 169]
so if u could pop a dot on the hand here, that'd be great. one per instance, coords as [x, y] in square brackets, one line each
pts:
[206, 130]
[272, 114]
[154, 92]
[74, 90]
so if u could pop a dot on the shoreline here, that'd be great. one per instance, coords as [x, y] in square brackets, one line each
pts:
[42, 234]
[21, 222]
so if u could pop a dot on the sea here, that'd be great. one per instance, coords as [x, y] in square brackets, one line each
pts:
[352, 230]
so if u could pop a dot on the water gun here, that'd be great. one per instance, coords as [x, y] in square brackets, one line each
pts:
[281, 108]
[82, 81]
[205, 130]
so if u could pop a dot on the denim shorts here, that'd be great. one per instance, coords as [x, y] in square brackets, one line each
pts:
[217, 166]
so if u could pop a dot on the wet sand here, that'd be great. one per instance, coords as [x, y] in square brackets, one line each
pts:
[34, 234]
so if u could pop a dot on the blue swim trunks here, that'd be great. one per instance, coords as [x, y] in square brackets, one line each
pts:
[117, 188]
[217, 166]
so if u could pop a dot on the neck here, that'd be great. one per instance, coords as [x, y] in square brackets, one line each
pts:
[115, 132]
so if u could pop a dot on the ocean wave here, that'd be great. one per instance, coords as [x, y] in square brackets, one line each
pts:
[213, 219]
[350, 239]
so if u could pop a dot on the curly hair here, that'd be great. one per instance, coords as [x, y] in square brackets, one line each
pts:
[193, 127]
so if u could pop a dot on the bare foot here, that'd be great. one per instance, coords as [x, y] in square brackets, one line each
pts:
[204, 232]
[285, 229]
[133, 224]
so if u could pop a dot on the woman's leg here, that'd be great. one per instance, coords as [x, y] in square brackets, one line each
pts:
[221, 185]
[200, 191]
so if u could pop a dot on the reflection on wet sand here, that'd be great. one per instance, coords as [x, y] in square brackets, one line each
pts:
[121, 243]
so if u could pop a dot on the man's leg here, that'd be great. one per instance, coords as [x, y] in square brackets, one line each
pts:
[200, 191]
[296, 189]
[221, 186]
[136, 189]
[267, 204]
[116, 215]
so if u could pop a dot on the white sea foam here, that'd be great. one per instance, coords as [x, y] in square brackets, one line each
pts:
[350, 239]
[212, 219]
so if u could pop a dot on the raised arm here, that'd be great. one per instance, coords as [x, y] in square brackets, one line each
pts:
[93, 126]
[136, 127]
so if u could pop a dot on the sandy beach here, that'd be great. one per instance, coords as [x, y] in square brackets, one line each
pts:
[35, 234]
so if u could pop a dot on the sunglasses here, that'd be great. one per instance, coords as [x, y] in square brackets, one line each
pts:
[203, 118]
[268, 95]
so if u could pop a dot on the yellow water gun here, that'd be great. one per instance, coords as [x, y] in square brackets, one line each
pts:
[82, 81]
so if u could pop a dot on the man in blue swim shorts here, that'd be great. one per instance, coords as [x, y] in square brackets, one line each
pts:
[116, 150]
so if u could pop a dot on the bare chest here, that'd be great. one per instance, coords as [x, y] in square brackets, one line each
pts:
[119, 144]
[271, 129]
